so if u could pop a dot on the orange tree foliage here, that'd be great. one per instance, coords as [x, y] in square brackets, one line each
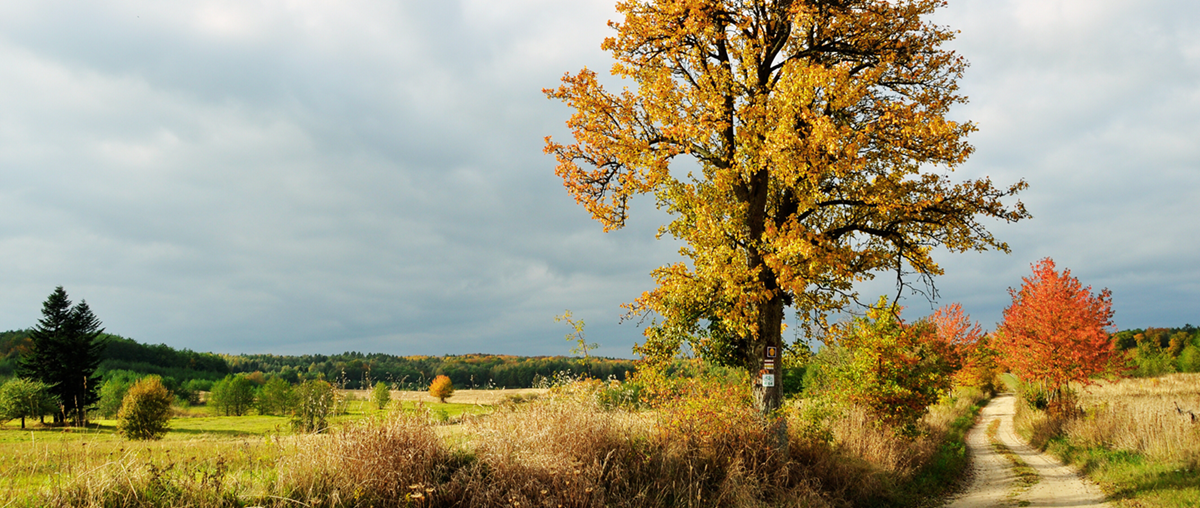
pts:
[815, 151]
[965, 347]
[441, 387]
[894, 369]
[1056, 331]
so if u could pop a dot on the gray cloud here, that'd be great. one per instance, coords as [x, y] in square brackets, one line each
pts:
[271, 177]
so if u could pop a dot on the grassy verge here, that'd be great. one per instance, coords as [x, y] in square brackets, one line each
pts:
[944, 470]
[1133, 479]
[1129, 438]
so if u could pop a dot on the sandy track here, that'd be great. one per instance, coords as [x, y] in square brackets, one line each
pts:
[993, 481]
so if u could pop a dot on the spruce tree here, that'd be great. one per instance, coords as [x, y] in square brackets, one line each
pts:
[66, 351]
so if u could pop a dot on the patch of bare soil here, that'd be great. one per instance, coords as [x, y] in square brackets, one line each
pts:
[1003, 468]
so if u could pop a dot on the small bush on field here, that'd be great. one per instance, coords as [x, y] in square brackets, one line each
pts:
[894, 369]
[381, 396]
[146, 410]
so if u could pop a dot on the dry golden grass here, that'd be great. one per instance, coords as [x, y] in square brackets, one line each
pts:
[1140, 415]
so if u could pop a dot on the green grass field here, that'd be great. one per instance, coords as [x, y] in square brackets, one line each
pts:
[42, 457]
[199, 422]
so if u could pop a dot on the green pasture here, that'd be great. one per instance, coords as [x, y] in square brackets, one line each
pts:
[199, 422]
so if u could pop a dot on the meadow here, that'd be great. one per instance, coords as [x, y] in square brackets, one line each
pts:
[1135, 437]
[565, 447]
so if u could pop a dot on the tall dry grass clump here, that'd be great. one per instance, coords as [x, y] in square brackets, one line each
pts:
[856, 459]
[372, 462]
[1148, 416]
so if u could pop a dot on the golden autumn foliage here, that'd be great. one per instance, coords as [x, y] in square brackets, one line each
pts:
[441, 388]
[800, 147]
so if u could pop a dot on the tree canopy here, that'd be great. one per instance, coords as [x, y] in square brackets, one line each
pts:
[799, 145]
[1056, 331]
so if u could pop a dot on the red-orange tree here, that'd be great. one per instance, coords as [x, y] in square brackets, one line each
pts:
[965, 347]
[816, 152]
[1056, 331]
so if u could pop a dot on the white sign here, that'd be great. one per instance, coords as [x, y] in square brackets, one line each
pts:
[768, 380]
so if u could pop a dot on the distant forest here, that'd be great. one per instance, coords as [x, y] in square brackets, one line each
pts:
[350, 370]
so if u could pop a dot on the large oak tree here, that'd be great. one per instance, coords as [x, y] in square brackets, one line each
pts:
[800, 145]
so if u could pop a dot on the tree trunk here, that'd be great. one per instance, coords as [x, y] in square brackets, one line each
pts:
[767, 356]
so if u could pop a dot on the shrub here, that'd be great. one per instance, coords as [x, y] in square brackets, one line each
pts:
[315, 402]
[381, 395]
[889, 367]
[146, 411]
[441, 388]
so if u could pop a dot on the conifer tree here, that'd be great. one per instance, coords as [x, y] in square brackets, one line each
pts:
[65, 353]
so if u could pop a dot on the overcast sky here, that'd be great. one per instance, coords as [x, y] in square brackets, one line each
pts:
[319, 177]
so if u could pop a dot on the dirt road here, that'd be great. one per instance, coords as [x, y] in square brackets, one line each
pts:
[1008, 472]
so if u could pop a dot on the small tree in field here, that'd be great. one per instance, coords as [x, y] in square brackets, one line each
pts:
[315, 401]
[276, 397]
[146, 411]
[232, 396]
[582, 347]
[441, 388]
[1056, 331]
[24, 398]
[381, 395]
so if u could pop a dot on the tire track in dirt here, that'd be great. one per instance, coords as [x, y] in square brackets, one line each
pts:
[993, 480]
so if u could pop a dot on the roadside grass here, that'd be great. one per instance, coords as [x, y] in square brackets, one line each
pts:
[1133, 437]
[1131, 479]
[943, 473]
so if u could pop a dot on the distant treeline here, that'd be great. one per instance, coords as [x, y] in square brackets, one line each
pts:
[359, 371]
[350, 370]
[1158, 351]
